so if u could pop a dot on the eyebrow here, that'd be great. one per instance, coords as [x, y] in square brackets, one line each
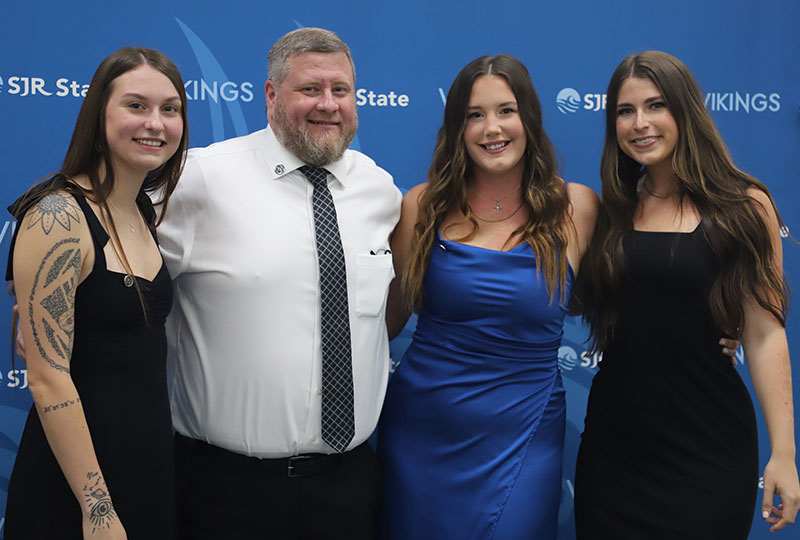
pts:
[504, 104]
[647, 101]
[176, 97]
[315, 82]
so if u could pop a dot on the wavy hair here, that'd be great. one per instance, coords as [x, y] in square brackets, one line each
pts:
[706, 176]
[543, 193]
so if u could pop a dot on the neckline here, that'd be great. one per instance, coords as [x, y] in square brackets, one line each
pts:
[697, 228]
[141, 278]
[515, 248]
[101, 261]
[570, 271]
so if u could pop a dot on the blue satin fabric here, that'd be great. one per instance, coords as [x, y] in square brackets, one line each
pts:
[472, 430]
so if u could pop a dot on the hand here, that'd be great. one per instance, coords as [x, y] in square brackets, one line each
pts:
[780, 477]
[104, 529]
[729, 348]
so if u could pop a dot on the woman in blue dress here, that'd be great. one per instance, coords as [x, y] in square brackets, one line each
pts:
[486, 251]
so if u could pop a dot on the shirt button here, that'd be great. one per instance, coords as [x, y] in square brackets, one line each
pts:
[319, 391]
[313, 438]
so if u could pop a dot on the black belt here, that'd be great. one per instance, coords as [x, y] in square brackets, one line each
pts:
[293, 467]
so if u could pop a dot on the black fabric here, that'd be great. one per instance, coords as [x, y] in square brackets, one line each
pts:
[670, 444]
[222, 494]
[118, 366]
[59, 182]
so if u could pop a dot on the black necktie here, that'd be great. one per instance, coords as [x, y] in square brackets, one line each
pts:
[338, 423]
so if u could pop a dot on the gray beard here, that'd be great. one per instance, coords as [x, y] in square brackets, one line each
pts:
[300, 142]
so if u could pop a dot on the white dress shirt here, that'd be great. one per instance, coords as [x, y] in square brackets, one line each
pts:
[244, 332]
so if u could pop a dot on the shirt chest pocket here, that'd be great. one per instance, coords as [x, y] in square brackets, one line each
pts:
[373, 275]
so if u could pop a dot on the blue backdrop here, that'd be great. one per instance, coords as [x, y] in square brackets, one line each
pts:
[407, 54]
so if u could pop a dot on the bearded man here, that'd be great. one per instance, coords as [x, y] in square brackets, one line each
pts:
[278, 244]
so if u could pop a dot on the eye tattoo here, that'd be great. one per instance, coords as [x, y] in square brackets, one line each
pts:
[101, 511]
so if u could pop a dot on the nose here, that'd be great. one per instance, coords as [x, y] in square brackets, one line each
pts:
[491, 125]
[326, 102]
[153, 122]
[640, 122]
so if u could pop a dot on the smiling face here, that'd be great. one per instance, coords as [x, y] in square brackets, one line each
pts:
[646, 129]
[494, 135]
[143, 121]
[313, 111]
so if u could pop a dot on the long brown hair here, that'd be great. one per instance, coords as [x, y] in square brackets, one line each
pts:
[88, 148]
[88, 153]
[707, 177]
[543, 193]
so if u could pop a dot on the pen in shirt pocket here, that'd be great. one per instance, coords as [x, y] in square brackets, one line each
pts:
[380, 252]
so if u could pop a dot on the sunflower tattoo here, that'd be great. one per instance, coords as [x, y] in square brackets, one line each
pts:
[54, 208]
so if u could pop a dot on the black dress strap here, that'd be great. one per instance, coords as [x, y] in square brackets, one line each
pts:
[99, 235]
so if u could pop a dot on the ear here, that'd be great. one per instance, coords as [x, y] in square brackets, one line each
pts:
[271, 93]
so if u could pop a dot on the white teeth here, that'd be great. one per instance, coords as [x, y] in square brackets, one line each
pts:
[644, 141]
[148, 142]
[495, 146]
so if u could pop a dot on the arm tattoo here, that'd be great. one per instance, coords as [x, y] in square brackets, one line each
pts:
[101, 511]
[52, 209]
[62, 405]
[54, 290]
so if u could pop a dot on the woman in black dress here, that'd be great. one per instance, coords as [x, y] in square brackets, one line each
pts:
[687, 248]
[95, 459]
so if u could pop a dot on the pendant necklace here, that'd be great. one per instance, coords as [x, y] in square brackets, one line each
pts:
[133, 229]
[509, 216]
[652, 193]
[127, 279]
[497, 206]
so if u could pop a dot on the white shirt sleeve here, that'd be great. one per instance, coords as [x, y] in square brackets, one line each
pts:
[176, 231]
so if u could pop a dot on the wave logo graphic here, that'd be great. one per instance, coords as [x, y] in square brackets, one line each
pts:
[211, 70]
[568, 100]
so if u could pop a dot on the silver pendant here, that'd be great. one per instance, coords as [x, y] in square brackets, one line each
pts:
[128, 280]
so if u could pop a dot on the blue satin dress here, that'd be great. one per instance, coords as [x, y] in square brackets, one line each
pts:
[472, 431]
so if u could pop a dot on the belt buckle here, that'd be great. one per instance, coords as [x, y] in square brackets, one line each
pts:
[290, 466]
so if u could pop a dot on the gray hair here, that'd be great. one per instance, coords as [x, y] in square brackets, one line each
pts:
[300, 41]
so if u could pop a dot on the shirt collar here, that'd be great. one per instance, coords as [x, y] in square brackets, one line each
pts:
[282, 162]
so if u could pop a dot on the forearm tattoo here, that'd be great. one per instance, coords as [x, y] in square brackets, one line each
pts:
[95, 493]
[54, 291]
[52, 209]
[59, 406]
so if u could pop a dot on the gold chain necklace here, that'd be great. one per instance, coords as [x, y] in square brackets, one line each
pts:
[509, 216]
[497, 206]
[133, 229]
[652, 193]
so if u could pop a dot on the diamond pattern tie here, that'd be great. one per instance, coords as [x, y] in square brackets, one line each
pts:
[338, 424]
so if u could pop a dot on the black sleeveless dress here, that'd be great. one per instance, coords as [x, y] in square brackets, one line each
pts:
[670, 444]
[118, 366]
